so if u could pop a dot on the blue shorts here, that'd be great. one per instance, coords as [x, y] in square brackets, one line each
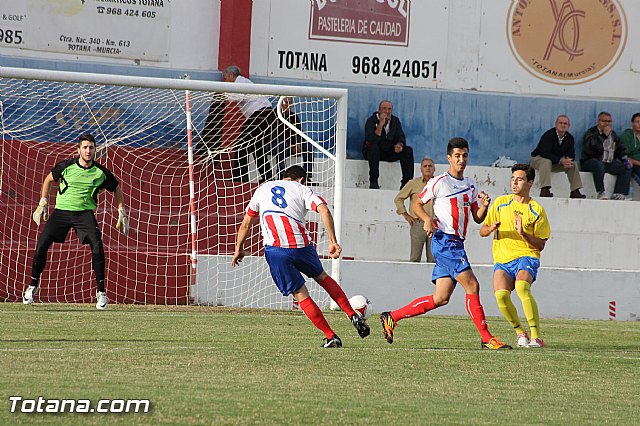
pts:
[525, 263]
[451, 259]
[286, 264]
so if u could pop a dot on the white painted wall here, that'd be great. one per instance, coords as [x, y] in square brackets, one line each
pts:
[590, 260]
[472, 42]
[560, 293]
[584, 233]
[492, 180]
[191, 43]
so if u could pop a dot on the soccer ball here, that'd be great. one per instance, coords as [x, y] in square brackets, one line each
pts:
[361, 305]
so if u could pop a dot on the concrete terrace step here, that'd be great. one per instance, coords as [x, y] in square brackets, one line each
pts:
[494, 181]
[599, 237]
[572, 215]
[590, 234]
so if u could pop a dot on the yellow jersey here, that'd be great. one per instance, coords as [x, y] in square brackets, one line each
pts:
[508, 245]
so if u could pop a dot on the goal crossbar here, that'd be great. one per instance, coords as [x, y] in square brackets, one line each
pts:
[172, 84]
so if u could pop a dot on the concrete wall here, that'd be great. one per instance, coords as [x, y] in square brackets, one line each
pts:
[494, 124]
[585, 233]
[590, 260]
[560, 292]
[480, 92]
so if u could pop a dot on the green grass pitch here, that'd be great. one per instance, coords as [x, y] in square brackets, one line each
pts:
[204, 366]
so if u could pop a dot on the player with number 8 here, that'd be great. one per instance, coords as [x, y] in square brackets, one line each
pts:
[280, 207]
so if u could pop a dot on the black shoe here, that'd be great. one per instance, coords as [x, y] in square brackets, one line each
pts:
[577, 194]
[374, 185]
[334, 342]
[361, 325]
[546, 192]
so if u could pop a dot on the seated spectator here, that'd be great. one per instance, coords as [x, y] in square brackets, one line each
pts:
[288, 143]
[630, 138]
[257, 131]
[556, 153]
[385, 140]
[602, 152]
[411, 190]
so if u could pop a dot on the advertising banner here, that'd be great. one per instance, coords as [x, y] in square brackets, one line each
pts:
[569, 42]
[128, 29]
[560, 47]
[360, 21]
[579, 48]
[360, 41]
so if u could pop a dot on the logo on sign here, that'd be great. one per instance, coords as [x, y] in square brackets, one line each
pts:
[566, 41]
[360, 21]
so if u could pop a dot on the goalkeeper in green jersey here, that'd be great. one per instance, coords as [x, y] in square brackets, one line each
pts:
[80, 182]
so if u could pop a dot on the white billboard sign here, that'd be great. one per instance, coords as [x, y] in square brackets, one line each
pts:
[361, 41]
[127, 29]
[569, 47]
[560, 47]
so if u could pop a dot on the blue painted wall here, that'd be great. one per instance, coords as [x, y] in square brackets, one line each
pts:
[495, 124]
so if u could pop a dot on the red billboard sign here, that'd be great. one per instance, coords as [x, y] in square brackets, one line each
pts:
[361, 21]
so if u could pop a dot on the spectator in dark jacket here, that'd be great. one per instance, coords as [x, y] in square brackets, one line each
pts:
[385, 140]
[602, 152]
[630, 138]
[556, 153]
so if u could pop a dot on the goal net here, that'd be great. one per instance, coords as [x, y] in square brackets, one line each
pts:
[189, 155]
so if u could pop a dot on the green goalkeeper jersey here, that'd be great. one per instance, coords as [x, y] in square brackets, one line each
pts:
[79, 186]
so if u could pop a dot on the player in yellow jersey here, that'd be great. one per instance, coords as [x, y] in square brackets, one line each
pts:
[521, 230]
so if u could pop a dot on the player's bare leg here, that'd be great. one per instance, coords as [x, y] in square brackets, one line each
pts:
[419, 306]
[444, 290]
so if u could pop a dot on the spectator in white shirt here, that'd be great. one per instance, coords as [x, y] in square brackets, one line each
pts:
[257, 131]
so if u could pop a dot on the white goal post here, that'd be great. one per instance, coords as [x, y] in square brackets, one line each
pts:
[179, 148]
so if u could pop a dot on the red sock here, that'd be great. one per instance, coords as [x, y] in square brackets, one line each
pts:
[476, 312]
[336, 293]
[314, 313]
[418, 307]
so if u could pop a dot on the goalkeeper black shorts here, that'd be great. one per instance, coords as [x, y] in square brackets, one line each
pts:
[83, 222]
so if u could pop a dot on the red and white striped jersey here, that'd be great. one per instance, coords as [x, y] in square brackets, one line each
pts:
[453, 200]
[282, 206]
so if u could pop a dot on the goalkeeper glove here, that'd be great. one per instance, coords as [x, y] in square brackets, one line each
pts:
[123, 222]
[42, 212]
